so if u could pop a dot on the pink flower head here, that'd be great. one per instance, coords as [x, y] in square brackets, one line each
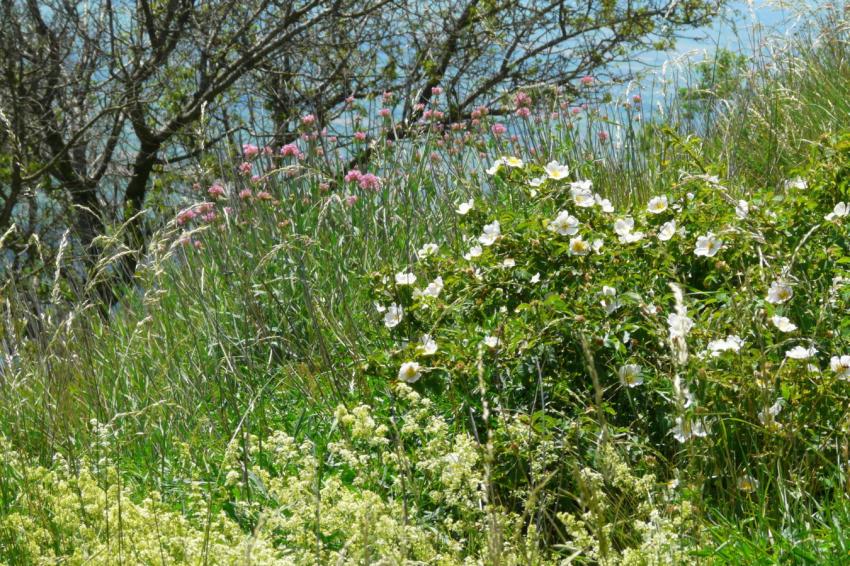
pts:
[522, 99]
[245, 168]
[476, 122]
[255, 179]
[384, 112]
[369, 181]
[305, 137]
[523, 112]
[209, 216]
[308, 119]
[245, 194]
[436, 91]
[324, 187]
[636, 99]
[350, 200]
[586, 80]
[216, 191]
[292, 150]
[498, 129]
[387, 97]
[432, 115]
[360, 136]
[268, 150]
[349, 100]
[185, 216]
[418, 107]
[250, 151]
[205, 207]
[603, 136]
[264, 195]
[353, 176]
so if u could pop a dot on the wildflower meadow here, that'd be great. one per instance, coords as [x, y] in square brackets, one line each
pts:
[587, 323]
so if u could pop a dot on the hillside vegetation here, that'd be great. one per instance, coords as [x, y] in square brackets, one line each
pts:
[565, 332]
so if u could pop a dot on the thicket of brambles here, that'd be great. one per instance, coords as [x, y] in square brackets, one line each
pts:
[558, 331]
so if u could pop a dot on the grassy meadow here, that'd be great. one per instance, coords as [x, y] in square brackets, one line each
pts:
[571, 331]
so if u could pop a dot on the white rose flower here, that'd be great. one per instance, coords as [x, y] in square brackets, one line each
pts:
[491, 233]
[768, 415]
[708, 245]
[464, 207]
[403, 278]
[667, 230]
[730, 343]
[657, 205]
[579, 246]
[783, 324]
[840, 211]
[492, 341]
[583, 197]
[427, 345]
[474, 251]
[556, 171]
[742, 209]
[609, 301]
[564, 224]
[801, 353]
[630, 375]
[796, 183]
[604, 204]
[679, 325]
[427, 250]
[748, 484]
[686, 429]
[779, 292]
[631, 237]
[434, 288]
[624, 226]
[841, 366]
[409, 372]
[393, 316]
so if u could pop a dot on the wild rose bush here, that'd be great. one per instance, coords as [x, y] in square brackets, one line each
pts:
[705, 329]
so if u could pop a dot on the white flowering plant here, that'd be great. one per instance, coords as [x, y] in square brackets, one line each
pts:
[678, 324]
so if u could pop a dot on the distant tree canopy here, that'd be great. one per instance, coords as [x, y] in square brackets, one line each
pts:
[96, 97]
